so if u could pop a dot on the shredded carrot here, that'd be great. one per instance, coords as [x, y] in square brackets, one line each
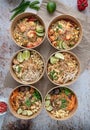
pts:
[15, 93]
[71, 103]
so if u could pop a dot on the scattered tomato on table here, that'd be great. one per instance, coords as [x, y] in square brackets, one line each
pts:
[82, 4]
[3, 107]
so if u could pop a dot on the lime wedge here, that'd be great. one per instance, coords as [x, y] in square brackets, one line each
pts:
[53, 60]
[26, 54]
[59, 56]
[20, 57]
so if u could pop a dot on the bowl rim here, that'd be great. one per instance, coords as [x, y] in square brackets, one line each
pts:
[74, 110]
[60, 17]
[18, 17]
[21, 116]
[79, 70]
[16, 78]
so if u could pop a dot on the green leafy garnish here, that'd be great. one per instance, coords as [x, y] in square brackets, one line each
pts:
[67, 92]
[64, 103]
[28, 103]
[60, 26]
[37, 95]
[63, 100]
[53, 75]
[18, 68]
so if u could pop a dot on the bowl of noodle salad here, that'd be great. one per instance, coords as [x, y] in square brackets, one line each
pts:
[63, 68]
[28, 30]
[27, 66]
[64, 32]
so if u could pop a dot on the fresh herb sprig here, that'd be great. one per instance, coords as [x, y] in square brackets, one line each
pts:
[37, 95]
[23, 6]
[28, 103]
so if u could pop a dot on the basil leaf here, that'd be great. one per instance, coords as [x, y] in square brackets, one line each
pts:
[28, 103]
[67, 92]
[37, 95]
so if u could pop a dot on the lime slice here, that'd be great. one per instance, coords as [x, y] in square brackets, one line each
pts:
[26, 54]
[59, 56]
[53, 60]
[20, 57]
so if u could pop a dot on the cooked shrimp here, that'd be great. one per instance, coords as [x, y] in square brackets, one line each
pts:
[22, 27]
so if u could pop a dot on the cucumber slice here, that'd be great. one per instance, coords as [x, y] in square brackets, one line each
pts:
[24, 112]
[29, 113]
[47, 103]
[39, 29]
[53, 60]
[64, 45]
[19, 111]
[60, 44]
[40, 34]
[59, 55]
[49, 108]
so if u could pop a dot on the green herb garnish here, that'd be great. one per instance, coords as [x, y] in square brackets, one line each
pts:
[37, 95]
[67, 92]
[53, 75]
[28, 103]
[60, 26]
[64, 103]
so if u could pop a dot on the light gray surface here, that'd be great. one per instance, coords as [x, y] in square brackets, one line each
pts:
[80, 121]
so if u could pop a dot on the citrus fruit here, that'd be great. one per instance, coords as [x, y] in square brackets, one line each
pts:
[53, 60]
[20, 57]
[51, 6]
[26, 54]
[59, 56]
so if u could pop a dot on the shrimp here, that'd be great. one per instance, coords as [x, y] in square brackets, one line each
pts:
[52, 38]
[22, 27]
[51, 32]
[32, 25]
[31, 35]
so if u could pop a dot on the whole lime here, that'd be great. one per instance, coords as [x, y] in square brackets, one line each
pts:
[51, 6]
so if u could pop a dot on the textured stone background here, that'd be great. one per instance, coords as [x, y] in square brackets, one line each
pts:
[80, 121]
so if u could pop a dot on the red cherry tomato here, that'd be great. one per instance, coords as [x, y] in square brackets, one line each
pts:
[3, 107]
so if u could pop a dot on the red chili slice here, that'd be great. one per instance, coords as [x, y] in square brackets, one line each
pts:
[31, 19]
[3, 107]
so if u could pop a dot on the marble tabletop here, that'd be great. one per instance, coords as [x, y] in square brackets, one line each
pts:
[80, 121]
